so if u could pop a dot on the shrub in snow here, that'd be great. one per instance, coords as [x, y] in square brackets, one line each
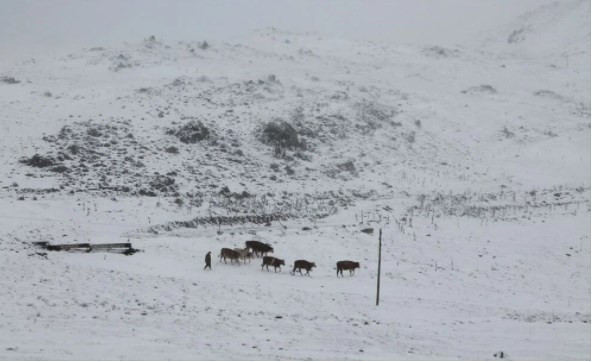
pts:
[9, 80]
[172, 149]
[440, 52]
[410, 137]
[39, 161]
[282, 135]
[94, 132]
[163, 184]
[149, 193]
[347, 166]
[191, 132]
[372, 115]
[289, 170]
[59, 169]
[517, 36]
[481, 89]
[508, 134]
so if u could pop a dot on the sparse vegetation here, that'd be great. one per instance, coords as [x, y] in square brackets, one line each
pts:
[282, 135]
[39, 161]
[9, 80]
[506, 133]
[373, 116]
[191, 132]
[481, 89]
[172, 149]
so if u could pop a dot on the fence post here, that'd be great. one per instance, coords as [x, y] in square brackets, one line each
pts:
[379, 267]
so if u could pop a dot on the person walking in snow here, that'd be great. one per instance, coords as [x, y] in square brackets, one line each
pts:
[207, 259]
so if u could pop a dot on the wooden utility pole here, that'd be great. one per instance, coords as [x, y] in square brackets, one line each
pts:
[379, 267]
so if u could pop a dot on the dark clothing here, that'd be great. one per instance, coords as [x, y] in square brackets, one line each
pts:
[207, 259]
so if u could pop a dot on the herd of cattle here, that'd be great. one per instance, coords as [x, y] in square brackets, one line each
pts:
[257, 248]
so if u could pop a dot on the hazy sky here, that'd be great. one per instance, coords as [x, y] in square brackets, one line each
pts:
[27, 26]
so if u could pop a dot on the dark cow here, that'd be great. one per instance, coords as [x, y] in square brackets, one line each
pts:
[229, 253]
[303, 264]
[270, 260]
[258, 247]
[346, 265]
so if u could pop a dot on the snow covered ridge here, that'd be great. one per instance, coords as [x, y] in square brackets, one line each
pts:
[197, 132]
[110, 157]
[555, 29]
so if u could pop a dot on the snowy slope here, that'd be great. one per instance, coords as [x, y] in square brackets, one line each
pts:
[554, 27]
[474, 160]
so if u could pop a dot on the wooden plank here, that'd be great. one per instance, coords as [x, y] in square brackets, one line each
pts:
[58, 247]
[41, 244]
[131, 251]
[112, 246]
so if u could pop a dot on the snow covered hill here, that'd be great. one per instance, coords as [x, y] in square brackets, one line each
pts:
[474, 161]
[554, 29]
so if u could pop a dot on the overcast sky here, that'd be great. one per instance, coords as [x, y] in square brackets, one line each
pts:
[29, 26]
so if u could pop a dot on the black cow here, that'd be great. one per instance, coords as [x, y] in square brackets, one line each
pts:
[258, 247]
[346, 265]
[303, 264]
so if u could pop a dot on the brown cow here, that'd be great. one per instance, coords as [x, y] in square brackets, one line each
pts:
[270, 260]
[346, 265]
[258, 247]
[229, 253]
[303, 264]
